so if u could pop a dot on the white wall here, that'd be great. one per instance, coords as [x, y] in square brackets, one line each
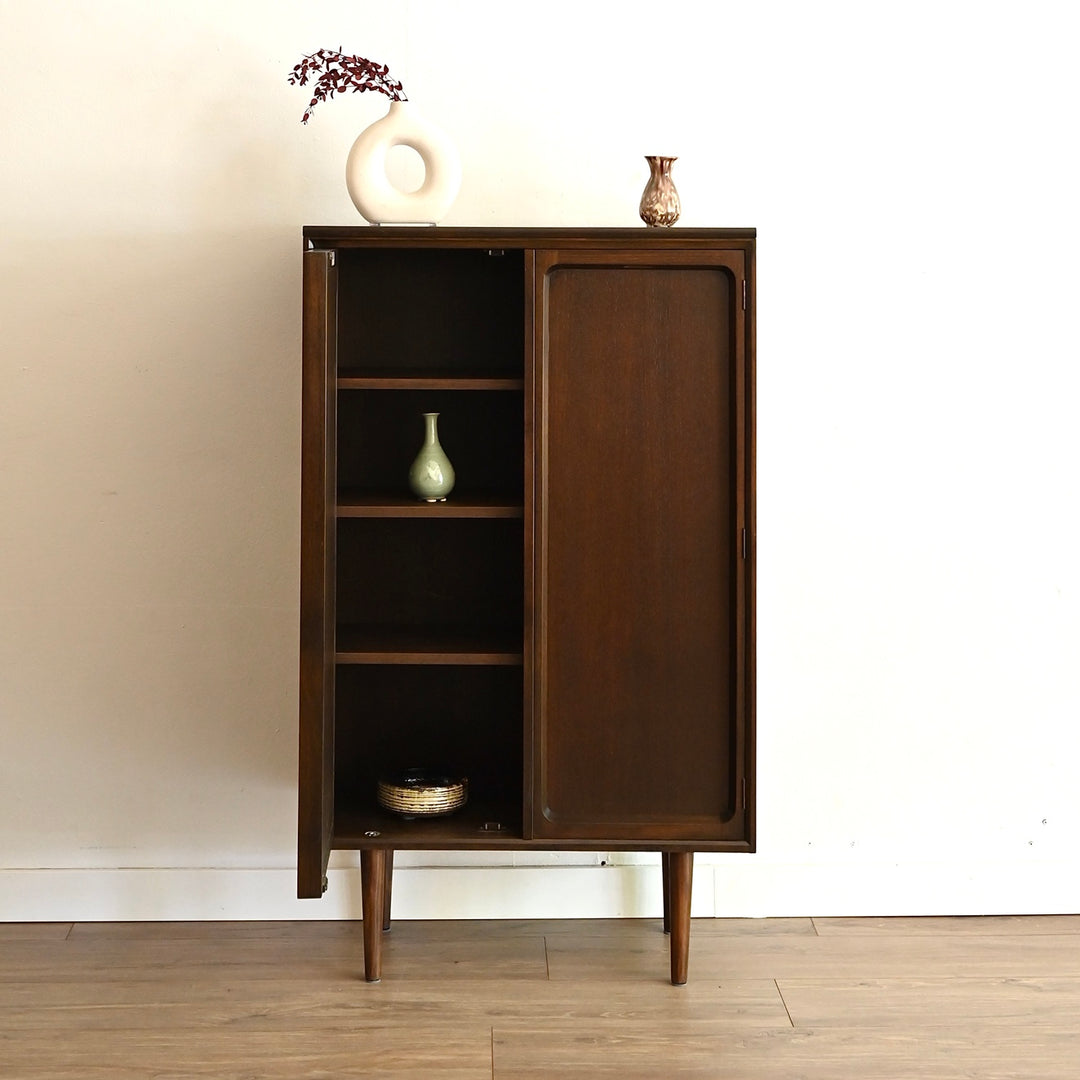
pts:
[912, 172]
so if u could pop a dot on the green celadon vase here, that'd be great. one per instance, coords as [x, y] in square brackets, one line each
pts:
[431, 477]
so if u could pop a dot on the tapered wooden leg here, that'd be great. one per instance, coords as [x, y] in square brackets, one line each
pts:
[682, 876]
[389, 889]
[665, 865]
[373, 889]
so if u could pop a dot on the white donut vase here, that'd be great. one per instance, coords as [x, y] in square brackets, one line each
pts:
[370, 188]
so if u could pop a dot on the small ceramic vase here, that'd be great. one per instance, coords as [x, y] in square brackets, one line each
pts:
[660, 201]
[431, 476]
[369, 186]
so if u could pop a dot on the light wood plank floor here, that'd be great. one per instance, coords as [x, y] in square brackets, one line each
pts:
[780, 999]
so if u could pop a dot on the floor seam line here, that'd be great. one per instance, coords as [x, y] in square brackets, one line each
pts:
[776, 983]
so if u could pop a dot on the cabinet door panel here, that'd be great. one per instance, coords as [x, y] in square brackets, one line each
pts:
[641, 503]
[318, 532]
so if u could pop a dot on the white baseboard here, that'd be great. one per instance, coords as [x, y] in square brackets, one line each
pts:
[419, 892]
[738, 887]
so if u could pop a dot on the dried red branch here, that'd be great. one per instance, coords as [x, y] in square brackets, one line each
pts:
[338, 73]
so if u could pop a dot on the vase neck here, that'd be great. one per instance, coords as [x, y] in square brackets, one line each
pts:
[431, 421]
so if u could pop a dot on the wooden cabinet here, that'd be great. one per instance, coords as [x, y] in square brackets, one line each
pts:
[573, 629]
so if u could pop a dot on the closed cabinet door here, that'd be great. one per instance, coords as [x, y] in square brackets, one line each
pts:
[641, 678]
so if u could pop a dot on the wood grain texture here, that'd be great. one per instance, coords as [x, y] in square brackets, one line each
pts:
[931, 1002]
[951, 925]
[239, 1001]
[856, 956]
[315, 809]
[977, 1052]
[639, 498]
[345, 236]
[679, 886]
[285, 1053]
[373, 887]
[34, 931]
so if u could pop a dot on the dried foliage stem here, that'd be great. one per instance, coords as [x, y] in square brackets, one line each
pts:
[335, 73]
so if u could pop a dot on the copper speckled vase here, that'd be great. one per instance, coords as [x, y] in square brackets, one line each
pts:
[660, 201]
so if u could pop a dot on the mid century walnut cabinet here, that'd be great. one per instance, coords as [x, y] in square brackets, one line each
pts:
[573, 629]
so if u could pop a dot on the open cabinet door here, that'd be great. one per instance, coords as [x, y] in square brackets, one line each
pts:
[318, 532]
[642, 574]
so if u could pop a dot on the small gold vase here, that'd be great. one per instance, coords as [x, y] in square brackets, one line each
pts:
[660, 201]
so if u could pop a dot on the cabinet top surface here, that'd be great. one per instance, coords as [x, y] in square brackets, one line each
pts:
[441, 236]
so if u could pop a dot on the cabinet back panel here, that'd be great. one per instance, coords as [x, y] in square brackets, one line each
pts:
[465, 721]
[639, 669]
[430, 310]
[452, 576]
[380, 432]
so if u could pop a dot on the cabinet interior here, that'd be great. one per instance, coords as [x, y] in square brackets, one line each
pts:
[431, 311]
[429, 598]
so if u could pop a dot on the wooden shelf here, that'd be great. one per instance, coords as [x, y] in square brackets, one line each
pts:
[472, 829]
[354, 379]
[473, 826]
[353, 505]
[356, 645]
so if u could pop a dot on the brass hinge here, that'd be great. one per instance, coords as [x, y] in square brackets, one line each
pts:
[331, 258]
[745, 545]
[745, 293]
[744, 793]
[325, 884]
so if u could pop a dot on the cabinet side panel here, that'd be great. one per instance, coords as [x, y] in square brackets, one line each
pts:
[317, 575]
[639, 693]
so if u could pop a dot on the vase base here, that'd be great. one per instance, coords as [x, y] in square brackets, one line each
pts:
[403, 224]
[423, 499]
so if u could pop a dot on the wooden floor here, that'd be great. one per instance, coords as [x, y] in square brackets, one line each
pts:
[798, 999]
